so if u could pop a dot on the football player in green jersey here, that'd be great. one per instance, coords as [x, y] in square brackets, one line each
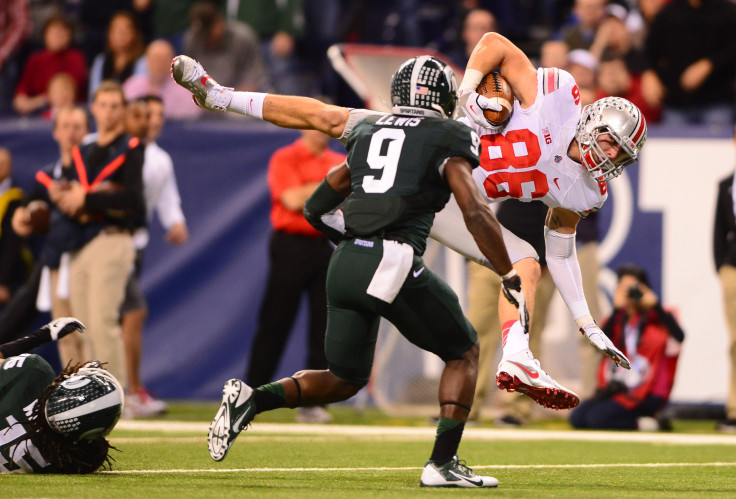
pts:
[54, 424]
[401, 169]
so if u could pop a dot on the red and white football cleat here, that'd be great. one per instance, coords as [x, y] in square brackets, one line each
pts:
[207, 93]
[522, 373]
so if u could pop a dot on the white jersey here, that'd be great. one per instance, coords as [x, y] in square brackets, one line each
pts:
[529, 161]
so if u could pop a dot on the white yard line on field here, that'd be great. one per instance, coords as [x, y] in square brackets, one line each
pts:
[417, 468]
[429, 432]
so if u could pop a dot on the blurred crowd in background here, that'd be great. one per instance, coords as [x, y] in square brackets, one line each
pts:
[673, 58]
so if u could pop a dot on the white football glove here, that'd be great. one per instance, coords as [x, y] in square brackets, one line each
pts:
[62, 326]
[600, 341]
[512, 292]
[473, 104]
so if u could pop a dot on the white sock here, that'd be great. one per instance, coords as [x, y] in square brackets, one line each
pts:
[514, 339]
[247, 103]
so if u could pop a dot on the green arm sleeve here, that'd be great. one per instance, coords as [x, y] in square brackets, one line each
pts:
[322, 211]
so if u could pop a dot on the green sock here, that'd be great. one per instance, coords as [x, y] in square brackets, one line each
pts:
[449, 433]
[269, 397]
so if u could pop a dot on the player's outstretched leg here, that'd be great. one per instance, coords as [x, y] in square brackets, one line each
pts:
[207, 93]
[241, 403]
[236, 411]
[521, 372]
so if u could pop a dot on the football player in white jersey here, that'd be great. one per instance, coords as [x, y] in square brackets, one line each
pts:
[546, 151]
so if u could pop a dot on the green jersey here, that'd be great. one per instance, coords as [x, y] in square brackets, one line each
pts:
[23, 379]
[397, 174]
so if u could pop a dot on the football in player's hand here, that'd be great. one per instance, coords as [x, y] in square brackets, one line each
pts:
[40, 215]
[494, 87]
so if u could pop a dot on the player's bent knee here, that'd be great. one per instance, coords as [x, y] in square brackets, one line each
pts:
[344, 388]
[469, 357]
[339, 387]
[472, 354]
[529, 270]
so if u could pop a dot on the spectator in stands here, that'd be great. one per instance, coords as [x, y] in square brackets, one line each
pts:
[226, 47]
[15, 259]
[383, 22]
[41, 11]
[526, 220]
[582, 65]
[299, 256]
[278, 25]
[322, 29]
[724, 254]
[477, 23]
[95, 17]
[145, 120]
[693, 77]
[61, 93]
[106, 199]
[45, 290]
[123, 54]
[651, 338]
[588, 16]
[613, 39]
[171, 20]
[614, 78]
[157, 81]
[553, 54]
[57, 56]
[15, 25]
[641, 19]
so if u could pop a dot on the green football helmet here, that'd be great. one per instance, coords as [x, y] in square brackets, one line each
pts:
[85, 406]
[424, 86]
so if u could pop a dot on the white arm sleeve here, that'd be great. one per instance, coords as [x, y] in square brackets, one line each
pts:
[168, 205]
[562, 261]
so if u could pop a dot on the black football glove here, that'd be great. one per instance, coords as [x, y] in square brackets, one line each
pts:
[512, 292]
[58, 328]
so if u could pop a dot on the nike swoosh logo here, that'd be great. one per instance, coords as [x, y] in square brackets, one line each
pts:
[239, 421]
[532, 374]
[471, 109]
[477, 483]
[203, 80]
[416, 273]
[555, 181]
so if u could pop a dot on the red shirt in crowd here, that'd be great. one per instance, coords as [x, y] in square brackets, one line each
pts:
[635, 96]
[43, 64]
[292, 166]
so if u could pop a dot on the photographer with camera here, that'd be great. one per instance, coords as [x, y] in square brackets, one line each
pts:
[651, 338]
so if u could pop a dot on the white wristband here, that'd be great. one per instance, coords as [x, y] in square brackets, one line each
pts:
[471, 79]
[509, 275]
[248, 103]
[582, 321]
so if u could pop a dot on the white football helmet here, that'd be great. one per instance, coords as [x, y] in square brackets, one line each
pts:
[623, 122]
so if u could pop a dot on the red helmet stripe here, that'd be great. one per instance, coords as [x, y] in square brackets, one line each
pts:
[641, 126]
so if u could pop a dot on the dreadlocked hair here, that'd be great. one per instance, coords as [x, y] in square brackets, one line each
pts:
[69, 456]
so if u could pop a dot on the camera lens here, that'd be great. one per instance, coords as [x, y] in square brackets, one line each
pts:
[635, 293]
